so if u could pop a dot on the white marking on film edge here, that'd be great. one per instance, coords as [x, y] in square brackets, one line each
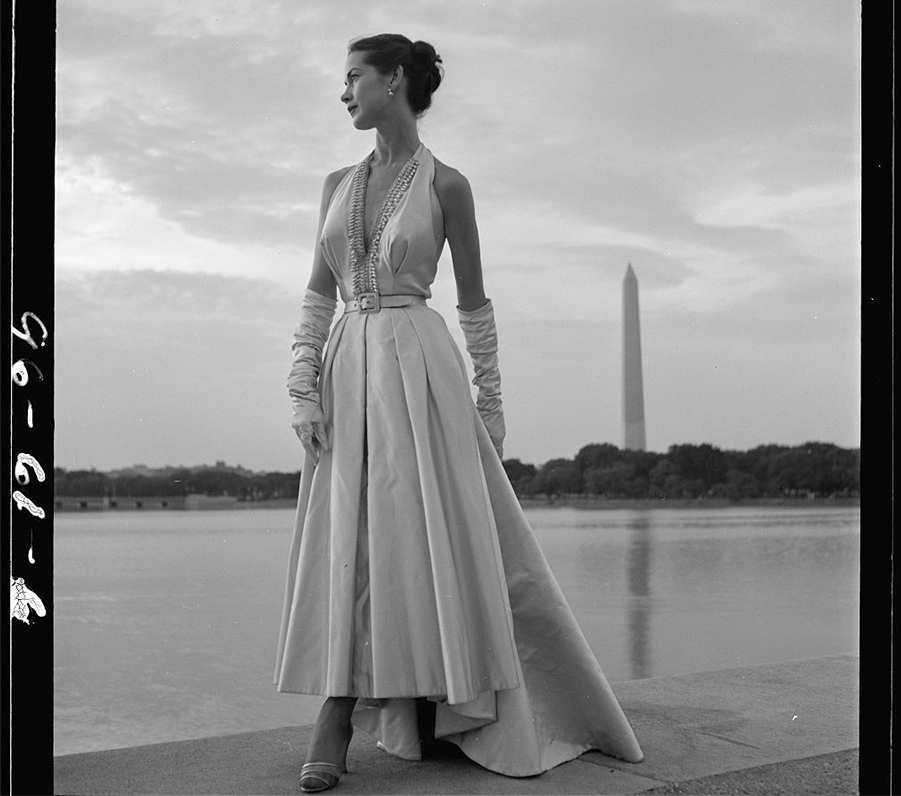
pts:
[23, 502]
[26, 335]
[21, 599]
[22, 474]
[20, 372]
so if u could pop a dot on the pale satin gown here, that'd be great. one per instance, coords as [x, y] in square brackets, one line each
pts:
[413, 571]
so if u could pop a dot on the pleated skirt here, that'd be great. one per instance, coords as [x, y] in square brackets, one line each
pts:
[413, 572]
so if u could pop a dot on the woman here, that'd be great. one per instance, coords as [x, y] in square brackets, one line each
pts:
[418, 601]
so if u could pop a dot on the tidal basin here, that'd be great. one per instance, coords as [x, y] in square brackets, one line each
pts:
[165, 622]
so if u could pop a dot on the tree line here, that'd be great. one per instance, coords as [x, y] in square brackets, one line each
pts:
[171, 482]
[815, 469]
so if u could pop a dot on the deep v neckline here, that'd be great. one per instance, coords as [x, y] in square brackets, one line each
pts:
[365, 168]
[363, 258]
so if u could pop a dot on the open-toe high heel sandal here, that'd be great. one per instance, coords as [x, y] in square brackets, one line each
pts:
[315, 777]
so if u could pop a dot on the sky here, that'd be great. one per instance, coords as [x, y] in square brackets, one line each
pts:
[712, 144]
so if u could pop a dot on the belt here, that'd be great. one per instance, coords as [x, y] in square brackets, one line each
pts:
[373, 302]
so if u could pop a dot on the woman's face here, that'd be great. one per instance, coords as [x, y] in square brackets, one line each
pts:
[366, 92]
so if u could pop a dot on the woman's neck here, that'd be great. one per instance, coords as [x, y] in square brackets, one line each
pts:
[395, 143]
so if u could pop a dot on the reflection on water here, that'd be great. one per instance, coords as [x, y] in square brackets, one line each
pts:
[166, 622]
[640, 590]
[665, 592]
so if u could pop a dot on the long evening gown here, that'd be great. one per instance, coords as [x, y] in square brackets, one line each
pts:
[413, 571]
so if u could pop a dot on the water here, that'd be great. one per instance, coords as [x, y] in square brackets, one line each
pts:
[166, 622]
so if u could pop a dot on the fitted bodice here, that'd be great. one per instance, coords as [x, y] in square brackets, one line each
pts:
[412, 237]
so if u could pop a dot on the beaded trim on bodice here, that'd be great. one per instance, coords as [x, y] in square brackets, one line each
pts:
[363, 263]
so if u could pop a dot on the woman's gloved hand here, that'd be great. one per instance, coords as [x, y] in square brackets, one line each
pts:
[310, 335]
[480, 334]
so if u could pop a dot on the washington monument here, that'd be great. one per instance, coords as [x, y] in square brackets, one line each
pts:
[633, 392]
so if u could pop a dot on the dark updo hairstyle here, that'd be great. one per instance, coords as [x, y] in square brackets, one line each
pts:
[419, 60]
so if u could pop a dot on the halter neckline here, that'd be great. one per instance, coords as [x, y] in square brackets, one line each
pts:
[363, 260]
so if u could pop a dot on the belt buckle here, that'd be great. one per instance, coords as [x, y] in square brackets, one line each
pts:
[369, 302]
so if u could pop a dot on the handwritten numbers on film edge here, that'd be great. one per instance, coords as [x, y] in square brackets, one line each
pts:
[22, 599]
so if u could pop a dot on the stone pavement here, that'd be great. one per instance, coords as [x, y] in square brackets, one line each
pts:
[777, 728]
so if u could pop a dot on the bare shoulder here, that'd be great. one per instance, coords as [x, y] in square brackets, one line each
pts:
[329, 186]
[448, 175]
[331, 182]
[452, 187]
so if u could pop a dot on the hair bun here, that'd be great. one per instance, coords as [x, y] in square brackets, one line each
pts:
[424, 60]
[422, 70]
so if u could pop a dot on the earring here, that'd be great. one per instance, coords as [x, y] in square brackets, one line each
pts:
[390, 92]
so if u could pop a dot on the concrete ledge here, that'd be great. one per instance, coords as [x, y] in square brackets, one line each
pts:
[778, 728]
[835, 774]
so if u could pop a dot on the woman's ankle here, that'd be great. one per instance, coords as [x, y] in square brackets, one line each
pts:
[338, 709]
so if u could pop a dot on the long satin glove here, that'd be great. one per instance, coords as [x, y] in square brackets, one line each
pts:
[316, 312]
[481, 343]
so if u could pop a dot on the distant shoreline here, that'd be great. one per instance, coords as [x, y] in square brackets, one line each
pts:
[593, 503]
[586, 503]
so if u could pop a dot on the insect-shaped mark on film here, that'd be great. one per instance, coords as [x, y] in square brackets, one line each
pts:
[22, 600]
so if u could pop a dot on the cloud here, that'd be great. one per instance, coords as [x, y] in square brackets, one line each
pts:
[218, 117]
[167, 367]
[712, 143]
[194, 127]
